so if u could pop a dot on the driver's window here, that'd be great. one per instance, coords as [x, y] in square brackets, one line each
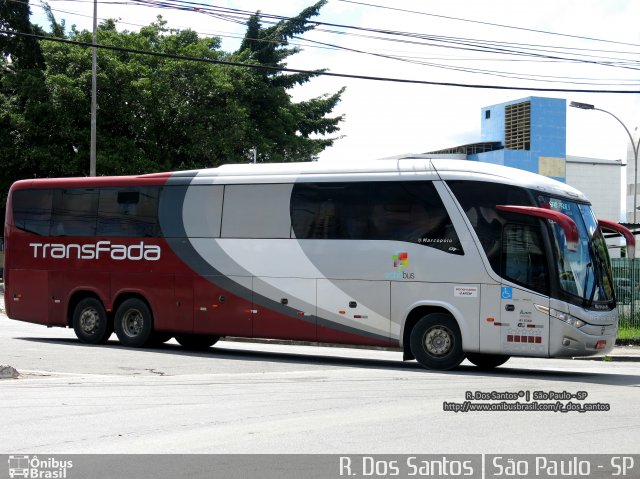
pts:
[523, 258]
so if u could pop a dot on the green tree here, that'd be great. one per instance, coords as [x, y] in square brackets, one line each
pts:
[22, 92]
[284, 130]
[18, 52]
[155, 113]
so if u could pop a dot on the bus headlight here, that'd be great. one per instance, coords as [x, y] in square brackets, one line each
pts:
[567, 318]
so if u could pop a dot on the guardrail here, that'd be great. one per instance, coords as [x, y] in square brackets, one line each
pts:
[626, 283]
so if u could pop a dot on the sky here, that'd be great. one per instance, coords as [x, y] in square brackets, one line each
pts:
[386, 118]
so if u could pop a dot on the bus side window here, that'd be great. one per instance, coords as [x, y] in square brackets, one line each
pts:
[329, 210]
[412, 211]
[74, 212]
[128, 212]
[32, 210]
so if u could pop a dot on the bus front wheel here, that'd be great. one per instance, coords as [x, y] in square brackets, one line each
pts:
[90, 322]
[133, 323]
[436, 342]
[487, 361]
[196, 341]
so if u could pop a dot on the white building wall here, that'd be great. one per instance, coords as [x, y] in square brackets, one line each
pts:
[602, 182]
[631, 167]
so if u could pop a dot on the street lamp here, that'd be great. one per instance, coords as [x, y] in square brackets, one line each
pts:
[636, 147]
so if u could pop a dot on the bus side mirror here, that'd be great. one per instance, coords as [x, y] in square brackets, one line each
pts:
[628, 235]
[567, 224]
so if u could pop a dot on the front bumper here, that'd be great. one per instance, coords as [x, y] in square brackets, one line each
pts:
[568, 341]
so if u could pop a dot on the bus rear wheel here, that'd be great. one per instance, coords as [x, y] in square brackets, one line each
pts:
[436, 342]
[133, 323]
[196, 341]
[90, 322]
[487, 361]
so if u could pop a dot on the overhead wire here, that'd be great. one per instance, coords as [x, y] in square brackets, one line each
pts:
[240, 16]
[492, 24]
[312, 72]
[501, 48]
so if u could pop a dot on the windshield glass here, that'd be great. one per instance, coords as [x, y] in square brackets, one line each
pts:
[586, 272]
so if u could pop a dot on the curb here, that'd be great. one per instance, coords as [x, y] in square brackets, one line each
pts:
[8, 372]
[611, 359]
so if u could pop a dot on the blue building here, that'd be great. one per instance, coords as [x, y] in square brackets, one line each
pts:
[529, 134]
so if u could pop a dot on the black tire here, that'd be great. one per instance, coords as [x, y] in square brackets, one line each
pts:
[487, 361]
[90, 322]
[436, 342]
[197, 342]
[133, 323]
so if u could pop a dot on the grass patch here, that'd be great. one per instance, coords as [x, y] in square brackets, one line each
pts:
[628, 333]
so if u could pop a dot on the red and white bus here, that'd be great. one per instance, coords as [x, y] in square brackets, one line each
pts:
[444, 259]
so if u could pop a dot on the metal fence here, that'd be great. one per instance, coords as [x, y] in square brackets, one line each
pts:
[626, 283]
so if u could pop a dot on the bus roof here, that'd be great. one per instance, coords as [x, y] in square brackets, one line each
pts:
[444, 168]
[407, 166]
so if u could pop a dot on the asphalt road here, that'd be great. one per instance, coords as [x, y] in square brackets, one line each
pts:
[258, 398]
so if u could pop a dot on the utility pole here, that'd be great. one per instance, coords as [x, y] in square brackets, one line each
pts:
[94, 93]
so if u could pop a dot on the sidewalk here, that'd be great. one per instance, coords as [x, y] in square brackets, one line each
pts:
[619, 353]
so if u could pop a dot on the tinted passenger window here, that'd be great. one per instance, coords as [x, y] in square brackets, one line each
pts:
[131, 211]
[74, 212]
[32, 210]
[412, 212]
[330, 211]
[395, 211]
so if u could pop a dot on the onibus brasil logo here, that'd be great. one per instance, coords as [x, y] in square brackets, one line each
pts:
[38, 468]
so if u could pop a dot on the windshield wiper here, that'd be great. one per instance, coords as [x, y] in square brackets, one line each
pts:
[597, 270]
[589, 302]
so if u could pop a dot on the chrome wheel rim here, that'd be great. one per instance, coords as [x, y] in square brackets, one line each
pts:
[132, 323]
[438, 341]
[89, 321]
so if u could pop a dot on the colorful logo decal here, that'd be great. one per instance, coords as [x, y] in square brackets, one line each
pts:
[400, 260]
[400, 264]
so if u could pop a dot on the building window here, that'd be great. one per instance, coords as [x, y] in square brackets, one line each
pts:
[487, 114]
[517, 126]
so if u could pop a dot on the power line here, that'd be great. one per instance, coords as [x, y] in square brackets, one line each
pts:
[469, 44]
[473, 45]
[503, 74]
[312, 72]
[414, 59]
[491, 24]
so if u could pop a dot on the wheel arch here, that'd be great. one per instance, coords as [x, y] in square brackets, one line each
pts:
[78, 295]
[124, 295]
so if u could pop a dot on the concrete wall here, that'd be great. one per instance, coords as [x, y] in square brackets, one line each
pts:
[601, 181]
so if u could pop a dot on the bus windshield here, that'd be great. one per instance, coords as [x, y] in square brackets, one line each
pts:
[585, 272]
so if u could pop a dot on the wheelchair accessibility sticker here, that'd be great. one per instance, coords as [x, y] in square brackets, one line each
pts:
[506, 292]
